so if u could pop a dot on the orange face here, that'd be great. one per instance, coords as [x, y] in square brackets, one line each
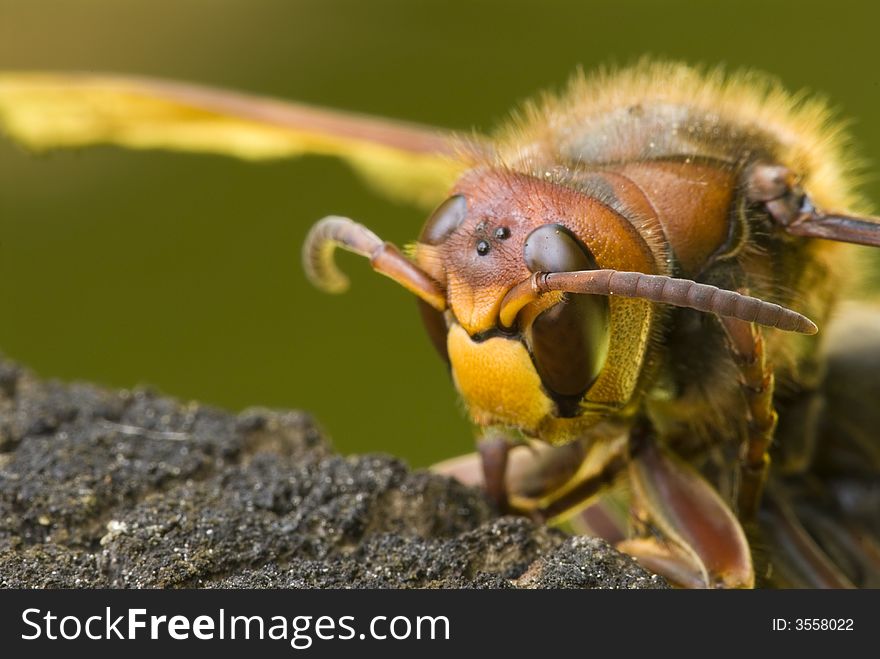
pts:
[567, 360]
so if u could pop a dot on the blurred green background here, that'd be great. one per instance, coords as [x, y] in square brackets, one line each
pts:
[182, 271]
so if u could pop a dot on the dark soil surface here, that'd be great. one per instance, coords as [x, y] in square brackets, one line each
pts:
[130, 489]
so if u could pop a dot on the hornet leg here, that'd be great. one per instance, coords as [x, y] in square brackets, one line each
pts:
[686, 531]
[756, 377]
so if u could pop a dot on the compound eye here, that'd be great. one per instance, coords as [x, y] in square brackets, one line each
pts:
[569, 344]
[553, 248]
[443, 221]
[569, 341]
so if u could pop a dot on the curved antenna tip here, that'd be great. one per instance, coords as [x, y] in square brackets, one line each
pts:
[340, 232]
[322, 241]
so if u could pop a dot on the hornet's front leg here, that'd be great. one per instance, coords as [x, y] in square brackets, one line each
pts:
[756, 378]
[536, 479]
[685, 531]
[494, 449]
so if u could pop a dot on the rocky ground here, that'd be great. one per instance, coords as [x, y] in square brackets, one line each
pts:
[131, 489]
